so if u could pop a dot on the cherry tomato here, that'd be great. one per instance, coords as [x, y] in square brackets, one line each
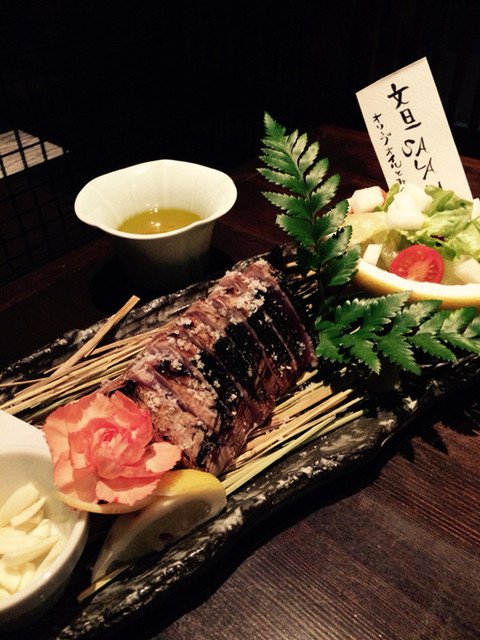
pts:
[419, 263]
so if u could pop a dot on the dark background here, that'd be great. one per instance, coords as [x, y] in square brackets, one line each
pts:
[117, 82]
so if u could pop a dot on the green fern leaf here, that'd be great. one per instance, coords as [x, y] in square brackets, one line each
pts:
[459, 341]
[350, 312]
[454, 326]
[306, 154]
[279, 162]
[414, 314]
[324, 194]
[291, 204]
[473, 329]
[332, 245]
[340, 271]
[332, 221]
[396, 348]
[362, 330]
[316, 175]
[431, 345]
[458, 320]
[282, 179]
[327, 346]
[365, 351]
[298, 228]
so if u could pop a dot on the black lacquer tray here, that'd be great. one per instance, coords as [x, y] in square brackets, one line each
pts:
[154, 581]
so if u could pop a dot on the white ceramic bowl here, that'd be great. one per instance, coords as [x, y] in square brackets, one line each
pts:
[162, 261]
[18, 465]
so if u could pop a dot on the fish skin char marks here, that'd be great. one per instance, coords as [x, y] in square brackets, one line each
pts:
[215, 373]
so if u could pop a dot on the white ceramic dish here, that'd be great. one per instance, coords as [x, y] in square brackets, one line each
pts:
[20, 463]
[15, 432]
[163, 261]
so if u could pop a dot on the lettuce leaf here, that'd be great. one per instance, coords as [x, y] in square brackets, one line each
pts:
[443, 200]
[467, 241]
[447, 219]
[394, 189]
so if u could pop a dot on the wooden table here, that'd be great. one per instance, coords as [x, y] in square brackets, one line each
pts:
[390, 551]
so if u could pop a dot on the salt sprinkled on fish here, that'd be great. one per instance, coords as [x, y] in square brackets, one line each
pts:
[215, 373]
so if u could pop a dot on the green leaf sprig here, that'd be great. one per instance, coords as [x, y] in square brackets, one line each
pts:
[322, 240]
[361, 330]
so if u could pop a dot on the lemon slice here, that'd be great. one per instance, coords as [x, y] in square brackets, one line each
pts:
[378, 282]
[106, 508]
[172, 483]
[184, 499]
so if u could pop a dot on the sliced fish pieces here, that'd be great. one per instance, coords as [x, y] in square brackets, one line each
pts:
[216, 372]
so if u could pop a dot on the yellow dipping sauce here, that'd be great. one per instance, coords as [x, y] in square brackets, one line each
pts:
[158, 220]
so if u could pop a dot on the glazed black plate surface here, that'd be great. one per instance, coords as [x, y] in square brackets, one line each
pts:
[154, 581]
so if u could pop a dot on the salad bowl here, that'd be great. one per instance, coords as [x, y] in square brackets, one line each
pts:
[417, 242]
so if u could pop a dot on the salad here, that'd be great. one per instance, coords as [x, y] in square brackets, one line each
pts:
[426, 235]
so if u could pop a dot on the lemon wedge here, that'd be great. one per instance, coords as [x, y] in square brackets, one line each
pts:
[184, 499]
[105, 508]
[378, 282]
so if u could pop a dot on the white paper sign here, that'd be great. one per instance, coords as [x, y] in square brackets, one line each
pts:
[410, 132]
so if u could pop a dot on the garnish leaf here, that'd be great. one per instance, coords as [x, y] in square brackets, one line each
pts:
[296, 227]
[361, 330]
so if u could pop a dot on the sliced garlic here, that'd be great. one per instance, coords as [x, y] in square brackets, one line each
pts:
[29, 541]
[28, 513]
[20, 499]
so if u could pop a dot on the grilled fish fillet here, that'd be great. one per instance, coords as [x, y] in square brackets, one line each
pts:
[216, 373]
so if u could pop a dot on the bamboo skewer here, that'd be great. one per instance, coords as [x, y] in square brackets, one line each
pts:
[87, 347]
[105, 361]
[285, 430]
[108, 363]
[312, 408]
[238, 477]
[92, 343]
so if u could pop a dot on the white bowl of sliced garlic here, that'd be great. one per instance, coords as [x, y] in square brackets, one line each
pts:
[41, 538]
